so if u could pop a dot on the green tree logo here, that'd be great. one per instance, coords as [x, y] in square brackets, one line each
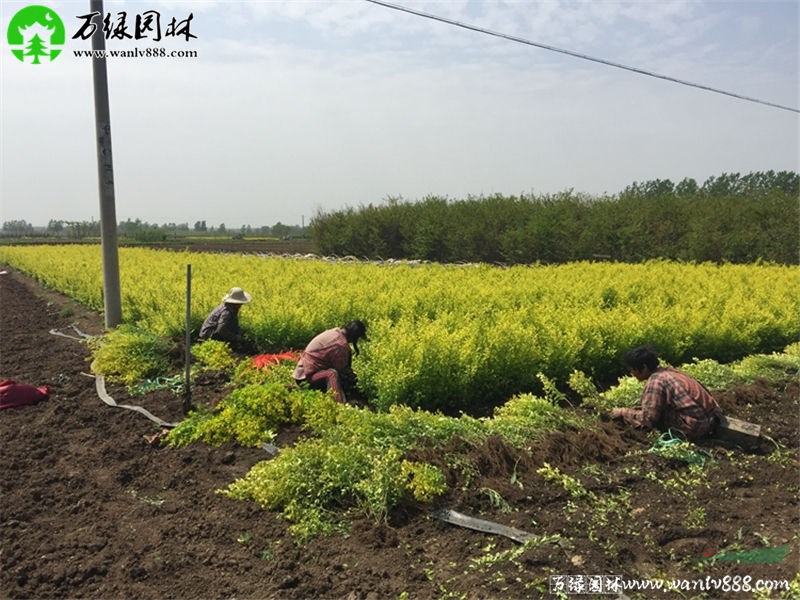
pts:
[35, 34]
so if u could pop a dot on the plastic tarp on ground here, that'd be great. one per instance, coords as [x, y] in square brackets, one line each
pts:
[13, 394]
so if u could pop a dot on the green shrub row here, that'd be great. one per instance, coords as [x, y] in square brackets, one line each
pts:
[455, 337]
[730, 218]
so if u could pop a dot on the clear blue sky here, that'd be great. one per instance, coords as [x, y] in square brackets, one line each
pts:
[294, 107]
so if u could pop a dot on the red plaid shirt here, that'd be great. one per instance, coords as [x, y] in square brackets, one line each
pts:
[328, 350]
[674, 399]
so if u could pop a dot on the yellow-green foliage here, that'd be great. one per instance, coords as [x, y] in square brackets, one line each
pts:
[793, 349]
[712, 374]
[446, 337]
[774, 367]
[129, 354]
[356, 459]
[315, 482]
[581, 384]
[768, 366]
[356, 462]
[250, 415]
[526, 417]
[213, 355]
[306, 482]
[627, 392]
[402, 427]
[245, 373]
[425, 481]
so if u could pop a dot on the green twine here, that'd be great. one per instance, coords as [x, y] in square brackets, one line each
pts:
[174, 384]
[670, 445]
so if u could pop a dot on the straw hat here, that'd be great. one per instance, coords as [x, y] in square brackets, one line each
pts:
[237, 295]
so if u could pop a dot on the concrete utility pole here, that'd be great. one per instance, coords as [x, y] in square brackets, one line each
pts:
[112, 297]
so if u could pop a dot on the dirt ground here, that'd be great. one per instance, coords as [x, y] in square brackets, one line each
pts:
[91, 509]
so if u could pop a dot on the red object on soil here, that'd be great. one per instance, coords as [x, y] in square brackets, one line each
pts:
[13, 394]
[265, 361]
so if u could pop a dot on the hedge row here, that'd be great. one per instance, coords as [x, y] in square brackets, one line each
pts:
[731, 218]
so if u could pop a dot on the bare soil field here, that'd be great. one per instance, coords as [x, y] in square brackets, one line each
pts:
[92, 509]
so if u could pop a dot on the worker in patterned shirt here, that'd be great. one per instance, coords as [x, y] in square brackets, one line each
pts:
[326, 363]
[671, 399]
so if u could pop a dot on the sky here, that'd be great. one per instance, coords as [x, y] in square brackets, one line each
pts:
[289, 109]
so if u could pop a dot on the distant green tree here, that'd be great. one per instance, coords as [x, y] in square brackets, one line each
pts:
[725, 184]
[55, 227]
[15, 228]
[281, 230]
[687, 187]
[82, 229]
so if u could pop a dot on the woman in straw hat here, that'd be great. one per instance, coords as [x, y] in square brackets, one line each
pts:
[223, 322]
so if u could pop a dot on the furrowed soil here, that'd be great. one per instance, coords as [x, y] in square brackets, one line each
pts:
[91, 508]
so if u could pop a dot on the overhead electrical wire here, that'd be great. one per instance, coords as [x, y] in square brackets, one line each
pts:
[577, 54]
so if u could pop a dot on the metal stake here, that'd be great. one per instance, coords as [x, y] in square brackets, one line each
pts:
[187, 391]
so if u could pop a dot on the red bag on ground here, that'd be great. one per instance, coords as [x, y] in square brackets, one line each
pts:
[13, 394]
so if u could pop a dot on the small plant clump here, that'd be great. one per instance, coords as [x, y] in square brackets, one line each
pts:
[130, 354]
[213, 355]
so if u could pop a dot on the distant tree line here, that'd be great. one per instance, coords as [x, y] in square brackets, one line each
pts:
[734, 218]
[140, 231]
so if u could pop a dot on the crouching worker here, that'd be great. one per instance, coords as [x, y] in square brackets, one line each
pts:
[671, 399]
[222, 323]
[326, 363]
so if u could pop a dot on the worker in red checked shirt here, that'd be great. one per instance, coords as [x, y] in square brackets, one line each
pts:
[671, 399]
[325, 364]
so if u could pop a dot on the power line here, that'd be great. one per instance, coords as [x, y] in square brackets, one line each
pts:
[577, 54]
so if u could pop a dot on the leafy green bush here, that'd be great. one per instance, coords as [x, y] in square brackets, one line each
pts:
[317, 481]
[773, 367]
[308, 483]
[425, 481]
[246, 373]
[213, 355]
[526, 417]
[130, 354]
[581, 384]
[356, 462]
[402, 427]
[249, 415]
[712, 374]
[627, 392]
